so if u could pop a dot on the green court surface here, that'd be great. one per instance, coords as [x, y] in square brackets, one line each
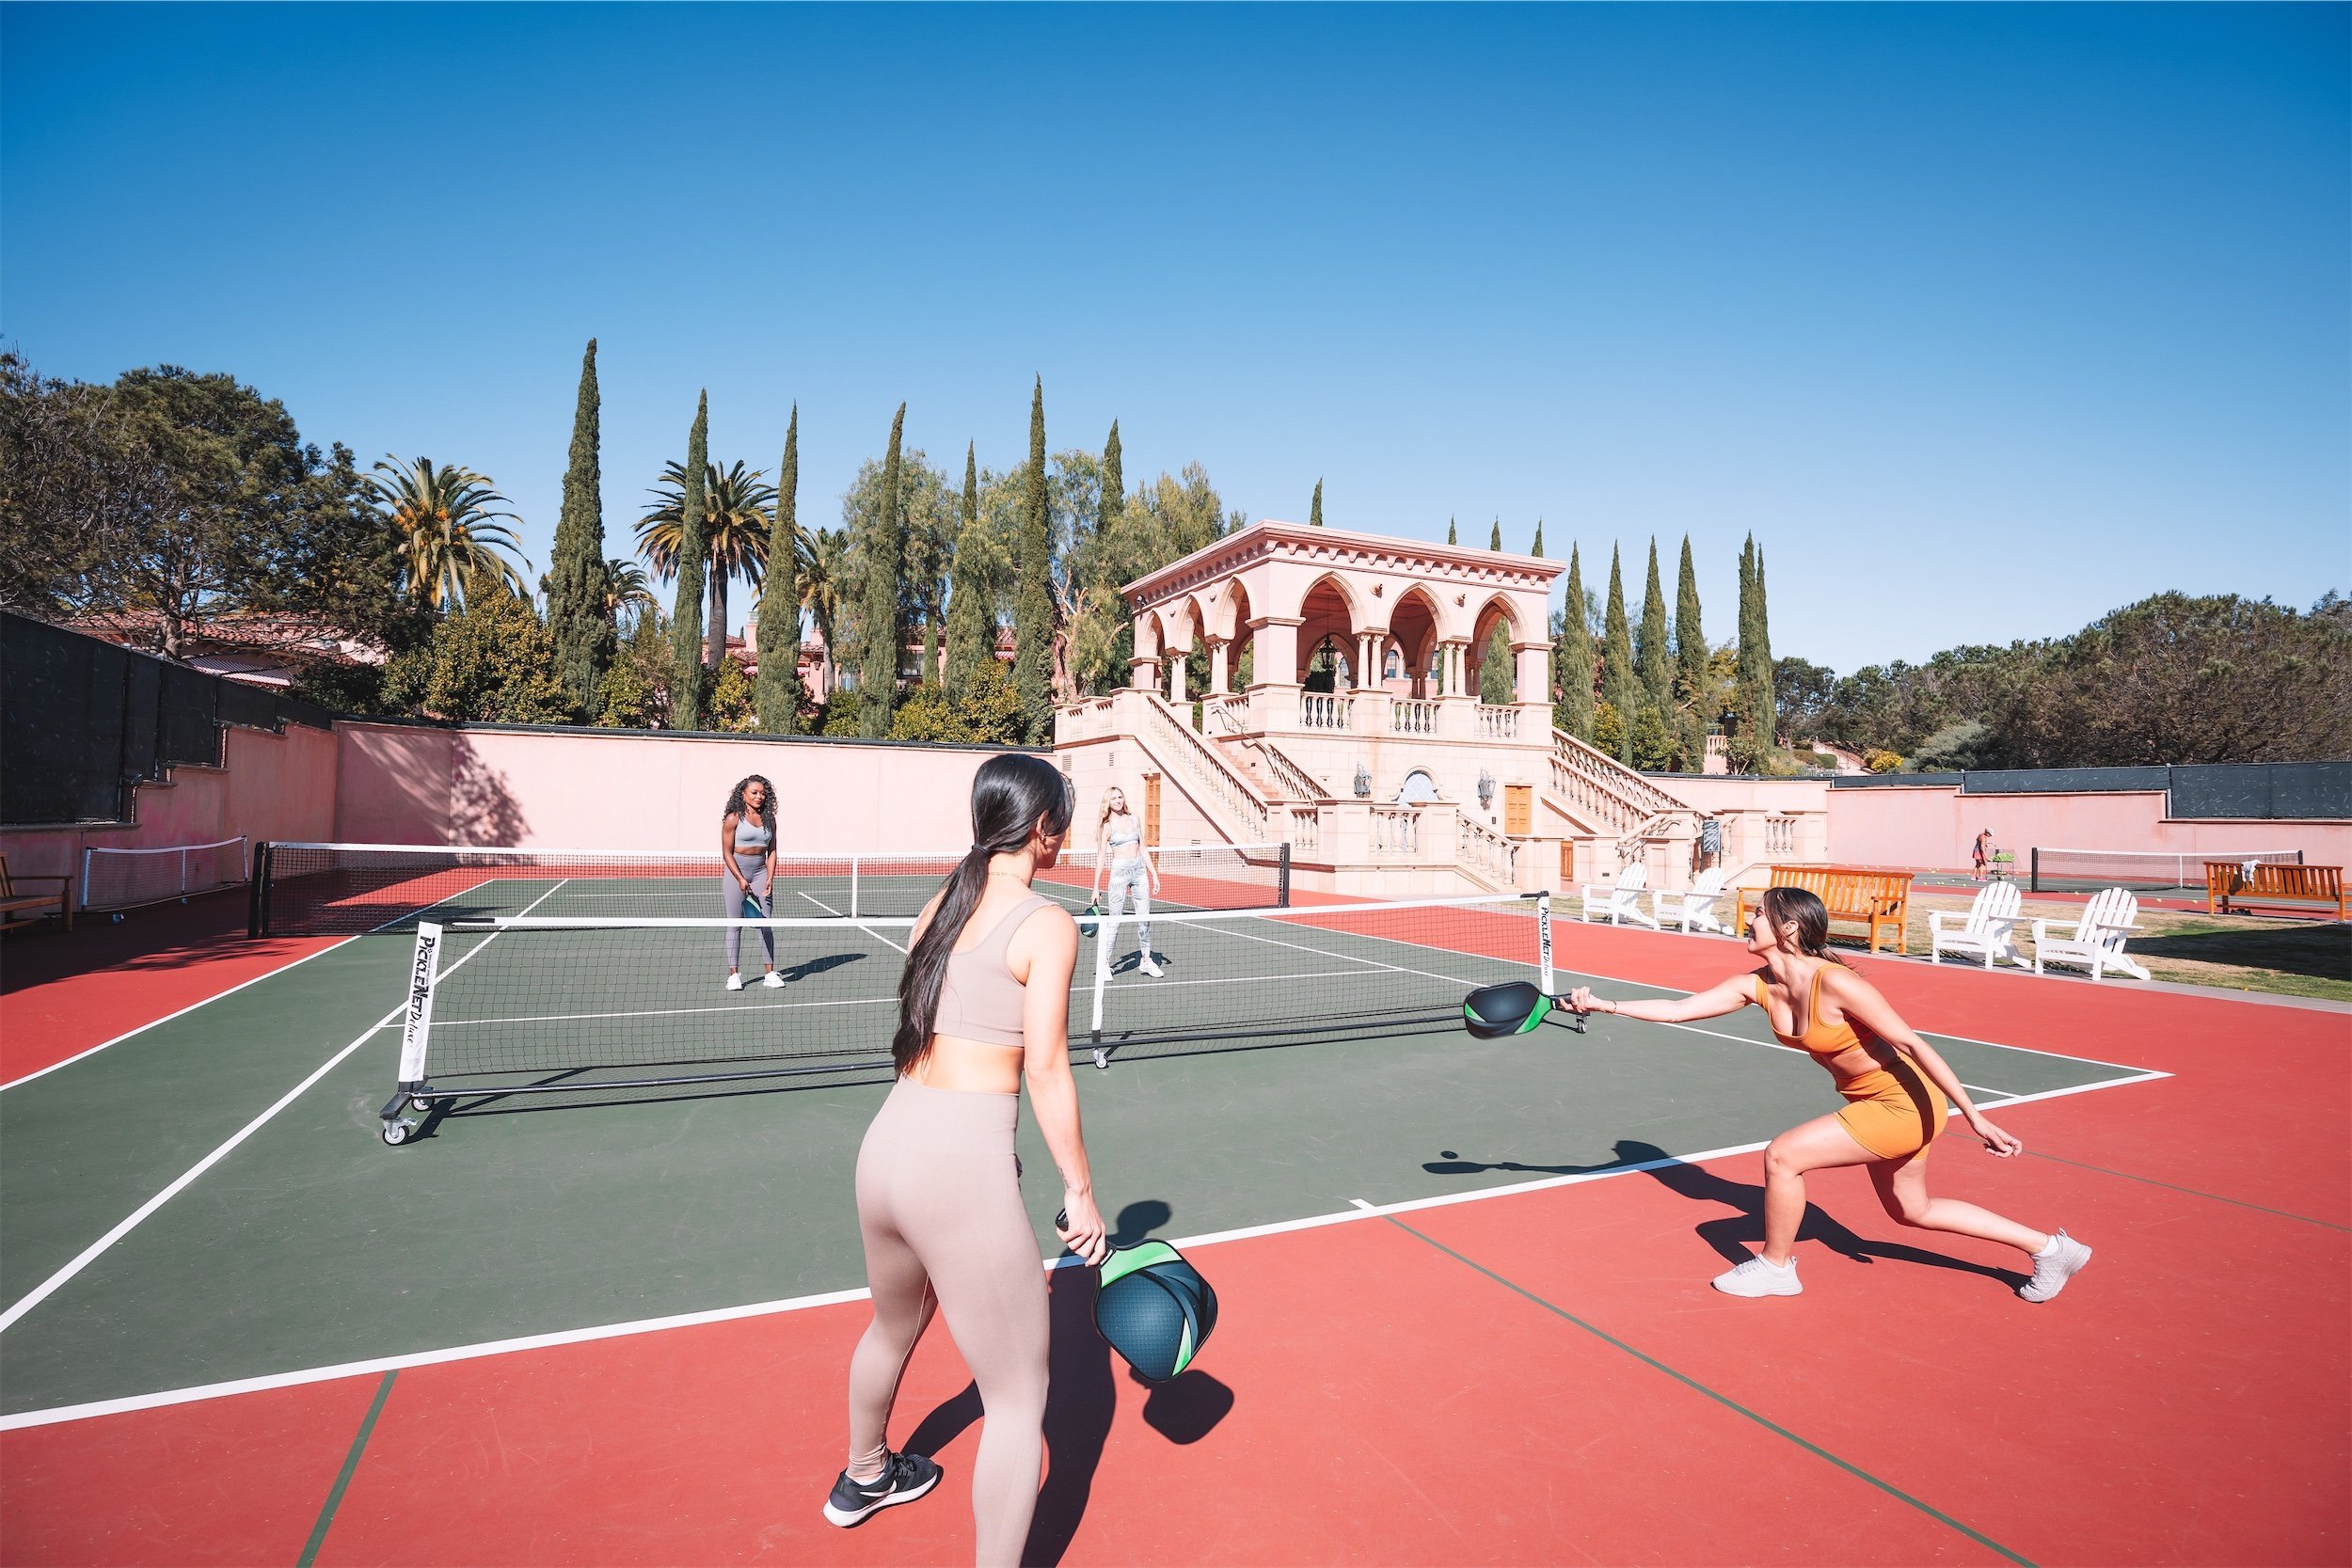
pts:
[312, 1243]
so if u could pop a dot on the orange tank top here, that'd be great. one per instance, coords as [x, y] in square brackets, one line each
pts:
[1820, 1040]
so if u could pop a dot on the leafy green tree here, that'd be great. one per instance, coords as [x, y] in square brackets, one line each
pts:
[637, 687]
[491, 662]
[1608, 728]
[733, 703]
[880, 630]
[1649, 649]
[972, 596]
[925, 549]
[781, 696]
[1495, 670]
[170, 503]
[1650, 743]
[578, 615]
[1573, 658]
[448, 527]
[1690, 687]
[736, 524]
[685, 652]
[1314, 508]
[1033, 610]
[1618, 679]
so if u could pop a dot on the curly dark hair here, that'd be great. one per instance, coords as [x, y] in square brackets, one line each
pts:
[767, 807]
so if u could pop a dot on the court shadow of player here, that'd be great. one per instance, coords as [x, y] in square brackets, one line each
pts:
[1082, 1399]
[810, 968]
[1735, 1237]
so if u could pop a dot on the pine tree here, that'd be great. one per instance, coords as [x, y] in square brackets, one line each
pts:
[685, 627]
[1033, 599]
[1691, 683]
[1572, 658]
[1620, 686]
[1314, 509]
[1538, 551]
[971, 603]
[1449, 533]
[1495, 540]
[1763, 717]
[878, 629]
[578, 620]
[1650, 658]
[779, 598]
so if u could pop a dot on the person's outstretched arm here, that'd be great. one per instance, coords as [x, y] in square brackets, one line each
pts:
[1727, 996]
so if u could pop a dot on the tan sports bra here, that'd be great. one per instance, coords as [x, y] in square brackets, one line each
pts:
[978, 999]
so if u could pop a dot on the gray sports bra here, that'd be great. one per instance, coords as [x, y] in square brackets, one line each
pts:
[751, 835]
[978, 999]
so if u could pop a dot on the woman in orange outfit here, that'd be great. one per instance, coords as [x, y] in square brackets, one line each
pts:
[1898, 1092]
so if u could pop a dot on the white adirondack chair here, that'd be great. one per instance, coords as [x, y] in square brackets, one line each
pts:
[1692, 908]
[1621, 900]
[1987, 931]
[2097, 944]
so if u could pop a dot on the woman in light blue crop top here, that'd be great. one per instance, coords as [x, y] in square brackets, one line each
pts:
[747, 866]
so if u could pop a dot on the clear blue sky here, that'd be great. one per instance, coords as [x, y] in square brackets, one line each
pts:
[1985, 319]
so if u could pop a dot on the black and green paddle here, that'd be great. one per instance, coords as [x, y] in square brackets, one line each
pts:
[1151, 1306]
[1514, 1007]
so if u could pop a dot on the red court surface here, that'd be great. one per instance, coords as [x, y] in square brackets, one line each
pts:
[1541, 1376]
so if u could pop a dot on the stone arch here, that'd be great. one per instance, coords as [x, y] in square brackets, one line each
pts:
[1497, 610]
[1415, 624]
[1329, 611]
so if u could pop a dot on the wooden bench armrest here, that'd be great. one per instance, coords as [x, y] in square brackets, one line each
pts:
[63, 879]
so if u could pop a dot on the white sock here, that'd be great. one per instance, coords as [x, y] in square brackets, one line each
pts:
[2049, 1246]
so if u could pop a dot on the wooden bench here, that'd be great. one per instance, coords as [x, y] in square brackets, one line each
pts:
[19, 908]
[2227, 883]
[1880, 899]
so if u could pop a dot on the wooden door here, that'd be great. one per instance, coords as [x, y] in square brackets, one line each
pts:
[1519, 810]
[1567, 862]
[1151, 810]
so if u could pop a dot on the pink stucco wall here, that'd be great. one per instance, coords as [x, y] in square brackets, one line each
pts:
[622, 789]
[1933, 827]
[279, 786]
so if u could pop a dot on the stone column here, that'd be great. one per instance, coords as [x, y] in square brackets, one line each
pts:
[1176, 680]
[1143, 672]
[1219, 684]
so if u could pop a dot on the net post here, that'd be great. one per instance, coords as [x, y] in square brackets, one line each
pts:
[417, 1019]
[1543, 939]
[1283, 876]
[1105, 933]
[853, 910]
[2033, 877]
[256, 900]
[88, 855]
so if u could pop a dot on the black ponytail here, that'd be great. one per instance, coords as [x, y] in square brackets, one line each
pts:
[1011, 796]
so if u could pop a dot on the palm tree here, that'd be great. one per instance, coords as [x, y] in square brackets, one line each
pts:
[627, 594]
[735, 526]
[447, 522]
[823, 567]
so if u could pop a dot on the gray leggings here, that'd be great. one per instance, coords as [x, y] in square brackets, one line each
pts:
[939, 1206]
[755, 869]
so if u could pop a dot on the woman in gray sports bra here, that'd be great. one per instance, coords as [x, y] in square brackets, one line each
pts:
[939, 1201]
[747, 864]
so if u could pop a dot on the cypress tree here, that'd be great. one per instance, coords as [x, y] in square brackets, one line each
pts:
[1650, 650]
[1494, 541]
[878, 627]
[578, 621]
[1113, 504]
[779, 692]
[1033, 600]
[686, 626]
[1538, 551]
[1690, 666]
[1744, 753]
[1763, 718]
[1618, 683]
[1572, 658]
[1449, 533]
[1314, 511]
[971, 604]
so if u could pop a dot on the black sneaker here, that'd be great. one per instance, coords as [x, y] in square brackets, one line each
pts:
[905, 1477]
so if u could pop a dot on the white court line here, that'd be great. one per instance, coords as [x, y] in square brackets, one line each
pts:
[91, 1253]
[1359, 1211]
[168, 1017]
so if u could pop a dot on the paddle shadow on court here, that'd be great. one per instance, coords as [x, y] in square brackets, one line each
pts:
[1082, 1400]
[1735, 1237]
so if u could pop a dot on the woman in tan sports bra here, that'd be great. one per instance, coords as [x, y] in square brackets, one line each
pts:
[984, 1007]
[1897, 1092]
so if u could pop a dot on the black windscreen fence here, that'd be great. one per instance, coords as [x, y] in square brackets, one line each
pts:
[2249, 791]
[83, 722]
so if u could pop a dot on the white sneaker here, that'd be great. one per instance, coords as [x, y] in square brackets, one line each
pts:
[1150, 968]
[773, 980]
[2054, 1268]
[1757, 1277]
[735, 982]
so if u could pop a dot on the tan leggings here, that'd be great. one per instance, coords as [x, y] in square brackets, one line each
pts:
[939, 1206]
